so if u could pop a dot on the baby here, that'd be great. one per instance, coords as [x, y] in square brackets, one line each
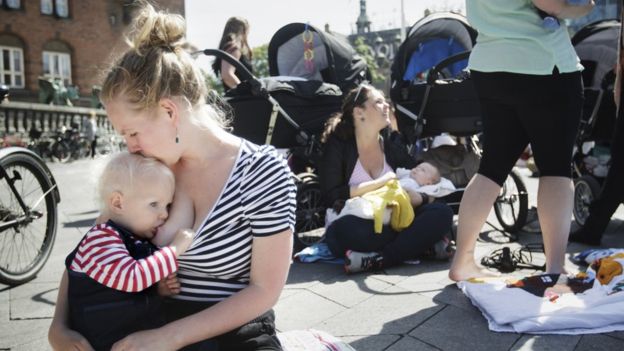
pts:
[424, 178]
[425, 174]
[113, 270]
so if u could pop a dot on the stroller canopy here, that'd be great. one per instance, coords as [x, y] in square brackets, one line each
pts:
[596, 45]
[301, 50]
[431, 40]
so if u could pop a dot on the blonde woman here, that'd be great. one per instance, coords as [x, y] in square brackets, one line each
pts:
[238, 197]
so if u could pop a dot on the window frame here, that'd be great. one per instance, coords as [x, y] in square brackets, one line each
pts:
[11, 71]
[54, 8]
[67, 80]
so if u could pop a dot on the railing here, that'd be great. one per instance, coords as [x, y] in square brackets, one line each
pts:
[17, 118]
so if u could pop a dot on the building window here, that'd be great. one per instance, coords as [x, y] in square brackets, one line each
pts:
[46, 7]
[59, 8]
[12, 4]
[12, 67]
[57, 65]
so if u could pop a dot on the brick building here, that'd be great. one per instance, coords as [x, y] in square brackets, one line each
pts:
[70, 40]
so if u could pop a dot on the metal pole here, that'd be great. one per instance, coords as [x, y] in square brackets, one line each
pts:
[402, 21]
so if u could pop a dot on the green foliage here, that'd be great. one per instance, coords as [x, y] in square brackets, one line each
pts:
[368, 54]
[260, 61]
[212, 82]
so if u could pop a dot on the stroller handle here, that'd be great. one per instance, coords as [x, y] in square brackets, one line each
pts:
[242, 70]
[435, 71]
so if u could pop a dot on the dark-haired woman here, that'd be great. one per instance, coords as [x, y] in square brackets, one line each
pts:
[360, 155]
[234, 42]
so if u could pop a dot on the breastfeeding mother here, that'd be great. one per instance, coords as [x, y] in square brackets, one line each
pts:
[239, 198]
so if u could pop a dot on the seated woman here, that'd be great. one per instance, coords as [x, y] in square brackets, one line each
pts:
[360, 155]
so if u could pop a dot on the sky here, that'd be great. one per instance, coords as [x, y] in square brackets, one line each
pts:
[206, 18]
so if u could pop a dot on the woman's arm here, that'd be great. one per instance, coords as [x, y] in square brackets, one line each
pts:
[365, 187]
[228, 72]
[561, 8]
[60, 336]
[334, 185]
[270, 261]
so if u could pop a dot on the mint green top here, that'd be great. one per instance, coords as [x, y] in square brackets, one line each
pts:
[512, 39]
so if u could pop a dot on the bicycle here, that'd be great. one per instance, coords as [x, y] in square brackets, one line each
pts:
[29, 198]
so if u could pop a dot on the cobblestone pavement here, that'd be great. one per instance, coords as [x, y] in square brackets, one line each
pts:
[412, 307]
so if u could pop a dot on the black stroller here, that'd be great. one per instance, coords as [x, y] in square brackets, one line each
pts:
[596, 45]
[433, 94]
[289, 110]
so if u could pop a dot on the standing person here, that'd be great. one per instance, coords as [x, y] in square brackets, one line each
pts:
[357, 159]
[234, 42]
[90, 132]
[529, 85]
[612, 192]
[135, 193]
[238, 197]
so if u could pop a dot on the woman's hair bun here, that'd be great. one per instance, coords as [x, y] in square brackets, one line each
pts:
[152, 28]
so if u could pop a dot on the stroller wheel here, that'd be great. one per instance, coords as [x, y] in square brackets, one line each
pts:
[310, 214]
[512, 204]
[586, 189]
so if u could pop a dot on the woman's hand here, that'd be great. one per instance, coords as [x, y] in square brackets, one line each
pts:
[148, 340]
[66, 339]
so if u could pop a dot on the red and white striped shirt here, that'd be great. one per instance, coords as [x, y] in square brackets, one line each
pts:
[103, 256]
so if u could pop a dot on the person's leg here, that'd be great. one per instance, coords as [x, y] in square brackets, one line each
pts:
[355, 233]
[552, 126]
[503, 142]
[554, 208]
[431, 223]
[474, 208]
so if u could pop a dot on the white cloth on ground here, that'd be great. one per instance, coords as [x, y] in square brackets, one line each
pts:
[597, 310]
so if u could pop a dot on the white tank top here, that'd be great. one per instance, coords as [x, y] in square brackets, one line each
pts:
[360, 175]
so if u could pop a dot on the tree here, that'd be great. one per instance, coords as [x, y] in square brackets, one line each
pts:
[260, 61]
[368, 54]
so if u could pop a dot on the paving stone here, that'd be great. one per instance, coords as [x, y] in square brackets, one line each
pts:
[34, 300]
[451, 295]
[408, 343]
[351, 291]
[304, 310]
[597, 342]
[4, 303]
[456, 329]
[546, 342]
[305, 275]
[395, 311]
[618, 334]
[15, 334]
[371, 342]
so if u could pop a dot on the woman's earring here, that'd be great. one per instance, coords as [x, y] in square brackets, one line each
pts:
[362, 118]
[177, 137]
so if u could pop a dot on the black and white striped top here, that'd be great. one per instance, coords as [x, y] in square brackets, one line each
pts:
[258, 200]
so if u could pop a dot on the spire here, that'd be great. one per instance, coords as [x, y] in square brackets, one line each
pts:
[363, 23]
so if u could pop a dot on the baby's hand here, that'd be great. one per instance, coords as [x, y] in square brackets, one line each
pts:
[169, 286]
[182, 241]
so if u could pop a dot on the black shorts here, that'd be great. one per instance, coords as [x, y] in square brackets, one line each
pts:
[518, 109]
[258, 334]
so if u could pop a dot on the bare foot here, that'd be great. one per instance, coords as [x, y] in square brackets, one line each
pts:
[459, 272]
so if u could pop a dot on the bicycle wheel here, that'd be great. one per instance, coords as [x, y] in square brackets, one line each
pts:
[26, 245]
[310, 214]
[512, 204]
